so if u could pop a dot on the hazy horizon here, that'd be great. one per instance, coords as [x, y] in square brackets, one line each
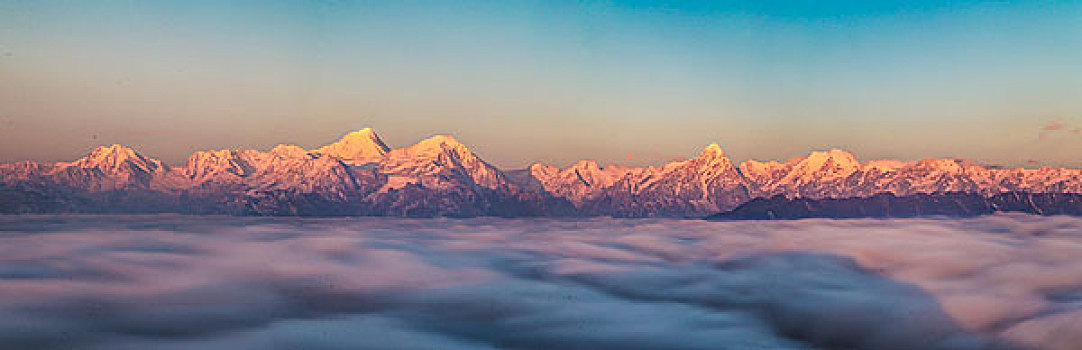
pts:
[736, 159]
[623, 82]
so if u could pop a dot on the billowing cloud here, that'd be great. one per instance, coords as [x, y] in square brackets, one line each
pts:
[214, 282]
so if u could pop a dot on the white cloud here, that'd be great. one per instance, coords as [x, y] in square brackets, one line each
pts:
[217, 282]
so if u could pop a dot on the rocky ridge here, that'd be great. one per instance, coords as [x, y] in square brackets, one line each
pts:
[439, 176]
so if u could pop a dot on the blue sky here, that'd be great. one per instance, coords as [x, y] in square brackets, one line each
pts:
[629, 82]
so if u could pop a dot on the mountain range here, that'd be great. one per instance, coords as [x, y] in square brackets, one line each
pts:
[439, 176]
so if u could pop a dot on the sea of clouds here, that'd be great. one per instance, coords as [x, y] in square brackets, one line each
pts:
[163, 282]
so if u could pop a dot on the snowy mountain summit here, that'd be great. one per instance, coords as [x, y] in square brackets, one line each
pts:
[439, 176]
[358, 147]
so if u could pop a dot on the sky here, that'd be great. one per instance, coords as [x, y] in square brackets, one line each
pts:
[622, 82]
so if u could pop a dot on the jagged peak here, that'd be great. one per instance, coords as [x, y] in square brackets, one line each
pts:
[114, 153]
[943, 164]
[839, 157]
[113, 156]
[538, 165]
[539, 170]
[201, 158]
[443, 139]
[114, 149]
[360, 144]
[366, 134]
[438, 144]
[212, 153]
[832, 153]
[814, 166]
[586, 164]
[712, 151]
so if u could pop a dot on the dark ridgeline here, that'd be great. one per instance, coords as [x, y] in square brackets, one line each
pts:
[886, 205]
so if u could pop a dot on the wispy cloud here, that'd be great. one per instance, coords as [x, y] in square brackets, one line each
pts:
[1050, 128]
[1053, 126]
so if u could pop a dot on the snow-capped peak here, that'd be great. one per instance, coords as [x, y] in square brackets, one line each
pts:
[111, 157]
[820, 165]
[586, 165]
[289, 151]
[438, 144]
[442, 139]
[940, 164]
[440, 175]
[592, 174]
[712, 151]
[114, 151]
[114, 157]
[358, 146]
[841, 159]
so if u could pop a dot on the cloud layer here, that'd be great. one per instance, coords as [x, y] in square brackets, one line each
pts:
[214, 282]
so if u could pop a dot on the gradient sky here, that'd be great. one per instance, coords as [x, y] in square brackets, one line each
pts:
[628, 82]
